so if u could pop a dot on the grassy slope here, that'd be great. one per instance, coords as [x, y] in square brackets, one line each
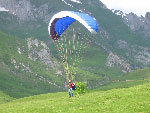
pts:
[17, 83]
[133, 78]
[121, 84]
[127, 100]
[4, 98]
[137, 74]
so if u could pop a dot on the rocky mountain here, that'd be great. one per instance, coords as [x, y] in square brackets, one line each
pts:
[119, 47]
[141, 26]
[136, 23]
[24, 10]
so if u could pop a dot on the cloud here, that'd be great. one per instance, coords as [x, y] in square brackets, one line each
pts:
[139, 7]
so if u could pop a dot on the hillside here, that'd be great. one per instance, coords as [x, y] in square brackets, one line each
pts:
[29, 63]
[28, 68]
[4, 98]
[134, 99]
[20, 74]
[133, 78]
[123, 49]
[139, 74]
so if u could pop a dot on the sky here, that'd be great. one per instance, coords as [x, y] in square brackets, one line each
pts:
[139, 7]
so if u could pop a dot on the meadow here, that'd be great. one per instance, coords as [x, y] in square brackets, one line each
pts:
[124, 100]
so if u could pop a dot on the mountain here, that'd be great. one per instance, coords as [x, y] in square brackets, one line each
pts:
[140, 26]
[29, 59]
[136, 23]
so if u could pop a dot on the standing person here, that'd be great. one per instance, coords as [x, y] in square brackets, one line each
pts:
[73, 86]
[70, 89]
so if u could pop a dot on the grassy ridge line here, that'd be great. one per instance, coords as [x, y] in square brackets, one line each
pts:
[127, 100]
[122, 84]
[133, 78]
[137, 74]
[4, 98]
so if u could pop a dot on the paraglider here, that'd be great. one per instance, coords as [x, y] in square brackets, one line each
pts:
[71, 43]
[62, 20]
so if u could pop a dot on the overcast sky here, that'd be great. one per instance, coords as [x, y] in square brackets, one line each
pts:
[139, 7]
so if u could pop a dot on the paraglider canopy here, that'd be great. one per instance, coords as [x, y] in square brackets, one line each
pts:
[62, 20]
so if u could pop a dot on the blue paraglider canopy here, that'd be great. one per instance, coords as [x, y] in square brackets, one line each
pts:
[62, 20]
[62, 24]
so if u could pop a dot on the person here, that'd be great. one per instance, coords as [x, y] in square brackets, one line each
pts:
[70, 89]
[73, 86]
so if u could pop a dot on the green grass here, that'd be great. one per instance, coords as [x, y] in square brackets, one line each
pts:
[127, 100]
[4, 98]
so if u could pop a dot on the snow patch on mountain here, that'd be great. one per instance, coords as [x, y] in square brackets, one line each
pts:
[119, 13]
[135, 22]
[3, 9]
[66, 3]
[77, 1]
